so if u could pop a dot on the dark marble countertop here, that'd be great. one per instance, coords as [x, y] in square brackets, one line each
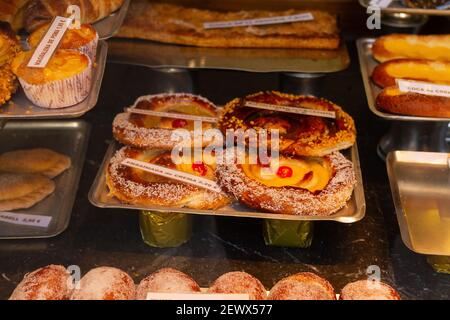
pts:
[340, 252]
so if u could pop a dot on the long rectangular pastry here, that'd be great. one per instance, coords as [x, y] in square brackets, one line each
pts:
[175, 24]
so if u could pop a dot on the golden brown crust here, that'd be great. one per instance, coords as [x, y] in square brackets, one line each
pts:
[174, 24]
[393, 100]
[368, 290]
[239, 283]
[9, 47]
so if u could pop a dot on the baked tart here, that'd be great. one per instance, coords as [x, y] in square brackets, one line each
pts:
[300, 135]
[135, 186]
[149, 131]
[306, 186]
[9, 47]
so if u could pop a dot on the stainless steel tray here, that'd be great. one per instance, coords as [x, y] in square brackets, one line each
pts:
[160, 55]
[367, 64]
[67, 137]
[353, 212]
[21, 108]
[109, 26]
[398, 7]
[420, 184]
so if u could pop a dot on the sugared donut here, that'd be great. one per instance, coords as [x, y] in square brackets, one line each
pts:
[48, 283]
[239, 283]
[105, 283]
[302, 286]
[369, 290]
[166, 280]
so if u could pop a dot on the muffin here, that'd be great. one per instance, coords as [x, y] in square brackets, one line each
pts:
[64, 82]
[84, 39]
[239, 283]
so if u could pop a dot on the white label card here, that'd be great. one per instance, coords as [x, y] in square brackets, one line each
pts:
[426, 88]
[260, 21]
[25, 219]
[304, 111]
[171, 115]
[172, 174]
[195, 296]
[380, 3]
[49, 42]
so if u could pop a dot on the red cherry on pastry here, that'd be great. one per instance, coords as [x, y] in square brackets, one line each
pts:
[200, 168]
[179, 123]
[284, 172]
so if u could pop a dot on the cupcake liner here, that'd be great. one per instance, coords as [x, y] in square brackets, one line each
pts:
[90, 48]
[60, 93]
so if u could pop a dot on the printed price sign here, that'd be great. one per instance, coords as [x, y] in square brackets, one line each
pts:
[423, 88]
[260, 21]
[25, 219]
[287, 109]
[171, 115]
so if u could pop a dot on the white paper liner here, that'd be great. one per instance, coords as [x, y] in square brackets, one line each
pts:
[60, 93]
[90, 48]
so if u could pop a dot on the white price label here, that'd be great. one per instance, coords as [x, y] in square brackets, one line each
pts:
[287, 109]
[171, 115]
[380, 3]
[25, 219]
[172, 174]
[260, 21]
[195, 296]
[49, 42]
[426, 88]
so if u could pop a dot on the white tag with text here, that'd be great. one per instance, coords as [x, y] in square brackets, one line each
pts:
[171, 115]
[195, 296]
[259, 22]
[426, 88]
[287, 109]
[25, 219]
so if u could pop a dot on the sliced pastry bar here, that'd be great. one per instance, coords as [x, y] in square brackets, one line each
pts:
[153, 131]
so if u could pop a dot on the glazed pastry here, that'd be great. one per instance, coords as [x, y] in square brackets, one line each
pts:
[166, 280]
[40, 161]
[297, 186]
[300, 135]
[21, 191]
[396, 46]
[47, 283]
[143, 131]
[105, 283]
[136, 186]
[437, 72]
[239, 283]
[64, 82]
[368, 290]
[9, 47]
[395, 101]
[84, 39]
[302, 286]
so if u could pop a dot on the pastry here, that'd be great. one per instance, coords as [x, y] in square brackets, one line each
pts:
[297, 186]
[424, 4]
[64, 82]
[84, 39]
[300, 135]
[47, 283]
[239, 283]
[175, 24]
[41, 161]
[21, 191]
[437, 72]
[302, 286]
[11, 11]
[166, 280]
[9, 47]
[105, 283]
[368, 290]
[395, 101]
[396, 46]
[144, 131]
[139, 187]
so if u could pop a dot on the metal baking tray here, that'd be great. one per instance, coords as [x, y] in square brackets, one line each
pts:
[420, 184]
[67, 137]
[397, 6]
[367, 64]
[19, 107]
[354, 210]
[108, 27]
[160, 55]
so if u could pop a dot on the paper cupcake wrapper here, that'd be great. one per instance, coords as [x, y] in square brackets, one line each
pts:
[60, 93]
[90, 48]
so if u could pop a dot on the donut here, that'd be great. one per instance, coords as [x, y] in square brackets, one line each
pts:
[302, 286]
[144, 131]
[166, 280]
[105, 283]
[48, 283]
[135, 186]
[301, 135]
[307, 187]
[239, 283]
[368, 290]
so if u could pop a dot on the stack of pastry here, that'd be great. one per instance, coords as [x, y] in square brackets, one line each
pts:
[412, 57]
